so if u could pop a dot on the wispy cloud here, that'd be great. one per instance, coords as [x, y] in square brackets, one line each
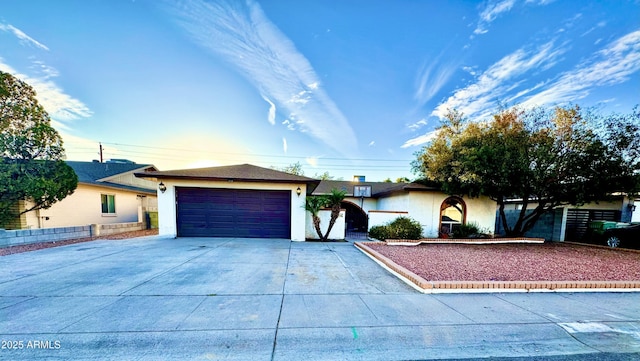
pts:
[612, 65]
[271, 117]
[417, 125]
[425, 138]
[284, 144]
[60, 105]
[432, 78]
[24, 38]
[240, 33]
[492, 10]
[498, 81]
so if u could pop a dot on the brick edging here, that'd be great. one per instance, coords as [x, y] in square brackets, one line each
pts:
[495, 286]
[414, 242]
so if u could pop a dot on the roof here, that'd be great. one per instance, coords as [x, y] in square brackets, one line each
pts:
[241, 172]
[95, 173]
[378, 189]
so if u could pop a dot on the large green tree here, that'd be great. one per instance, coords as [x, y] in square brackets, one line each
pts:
[31, 153]
[545, 158]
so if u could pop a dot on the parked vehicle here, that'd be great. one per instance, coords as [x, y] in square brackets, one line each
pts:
[627, 236]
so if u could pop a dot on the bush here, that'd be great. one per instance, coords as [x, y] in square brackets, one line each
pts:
[400, 228]
[404, 228]
[378, 232]
[469, 230]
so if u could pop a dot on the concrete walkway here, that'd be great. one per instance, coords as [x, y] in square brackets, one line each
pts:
[244, 299]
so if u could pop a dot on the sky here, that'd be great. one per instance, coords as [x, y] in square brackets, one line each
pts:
[353, 87]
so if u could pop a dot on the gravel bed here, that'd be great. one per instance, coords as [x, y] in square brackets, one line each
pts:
[37, 246]
[514, 262]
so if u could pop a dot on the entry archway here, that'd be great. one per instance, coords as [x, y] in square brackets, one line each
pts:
[356, 219]
[453, 214]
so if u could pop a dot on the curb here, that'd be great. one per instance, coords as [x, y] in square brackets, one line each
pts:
[412, 242]
[426, 286]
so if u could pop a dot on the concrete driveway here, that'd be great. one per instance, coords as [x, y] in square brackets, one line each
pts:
[246, 299]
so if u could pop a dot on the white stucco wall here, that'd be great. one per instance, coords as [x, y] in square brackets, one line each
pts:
[83, 207]
[338, 230]
[380, 218]
[424, 207]
[167, 203]
[367, 204]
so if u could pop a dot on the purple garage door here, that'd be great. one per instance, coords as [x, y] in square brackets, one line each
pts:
[207, 212]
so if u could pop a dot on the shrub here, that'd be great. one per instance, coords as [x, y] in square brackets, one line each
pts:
[378, 232]
[404, 228]
[469, 230]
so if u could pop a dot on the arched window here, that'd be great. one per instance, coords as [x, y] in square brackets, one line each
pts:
[453, 213]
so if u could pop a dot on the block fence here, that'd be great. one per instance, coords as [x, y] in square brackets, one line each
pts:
[43, 235]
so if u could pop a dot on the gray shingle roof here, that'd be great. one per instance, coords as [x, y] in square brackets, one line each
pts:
[241, 172]
[94, 173]
[378, 189]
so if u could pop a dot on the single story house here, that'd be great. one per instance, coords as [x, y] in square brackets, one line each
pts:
[107, 193]
[369, 204]
[251, 201]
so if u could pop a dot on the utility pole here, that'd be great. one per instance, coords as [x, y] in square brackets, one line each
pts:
[100, 152]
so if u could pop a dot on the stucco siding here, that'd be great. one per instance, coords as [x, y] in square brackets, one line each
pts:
[167, 203]
[83, 207]
[338, 230]
[482, 211]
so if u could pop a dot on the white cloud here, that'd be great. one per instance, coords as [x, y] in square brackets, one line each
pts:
[417, 125]
[59, 105]
[24, 38]
[271, 117]
[284, 144]
[425, 138]
[372, 143]
[241, 33]
[432, 78]
[612, 65]
[493, 85]
[491, 12]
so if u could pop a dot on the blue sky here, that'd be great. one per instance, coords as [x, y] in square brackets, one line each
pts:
[348, 87]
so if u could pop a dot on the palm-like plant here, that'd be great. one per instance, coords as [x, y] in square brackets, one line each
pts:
[334, 200]
[313, 205]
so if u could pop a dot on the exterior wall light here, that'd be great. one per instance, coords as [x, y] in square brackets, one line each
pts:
[298, 191]
[162, 187]
[631, 207]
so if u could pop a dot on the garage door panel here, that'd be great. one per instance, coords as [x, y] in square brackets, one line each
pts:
[208, 212]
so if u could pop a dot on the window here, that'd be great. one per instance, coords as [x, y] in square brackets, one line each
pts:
[108, 203]
[452, 215]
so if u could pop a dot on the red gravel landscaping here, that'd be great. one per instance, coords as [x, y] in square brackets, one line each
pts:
[514, 262]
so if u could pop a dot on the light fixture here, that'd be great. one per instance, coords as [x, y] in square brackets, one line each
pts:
[162, 187]
[631, 207]
[298, 191]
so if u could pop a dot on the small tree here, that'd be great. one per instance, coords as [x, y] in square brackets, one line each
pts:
[31, 153]
[334, 200]
[314, 204]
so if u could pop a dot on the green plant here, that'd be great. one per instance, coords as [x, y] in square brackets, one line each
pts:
[378, 232]
[404, 228]
[466, 230]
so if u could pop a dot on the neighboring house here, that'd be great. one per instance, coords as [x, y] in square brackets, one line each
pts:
[250, 201]
[571, 222]
[368, 204]
[231, 201]
[106, 193]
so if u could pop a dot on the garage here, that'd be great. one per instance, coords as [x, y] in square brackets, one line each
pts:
[235, 201]
[215, 212]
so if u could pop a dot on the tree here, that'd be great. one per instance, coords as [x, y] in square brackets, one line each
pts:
[31, 153]
[546, 158]
[314, 204]
[293, 168]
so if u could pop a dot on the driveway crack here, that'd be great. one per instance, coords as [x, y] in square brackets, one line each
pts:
[284, 284]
